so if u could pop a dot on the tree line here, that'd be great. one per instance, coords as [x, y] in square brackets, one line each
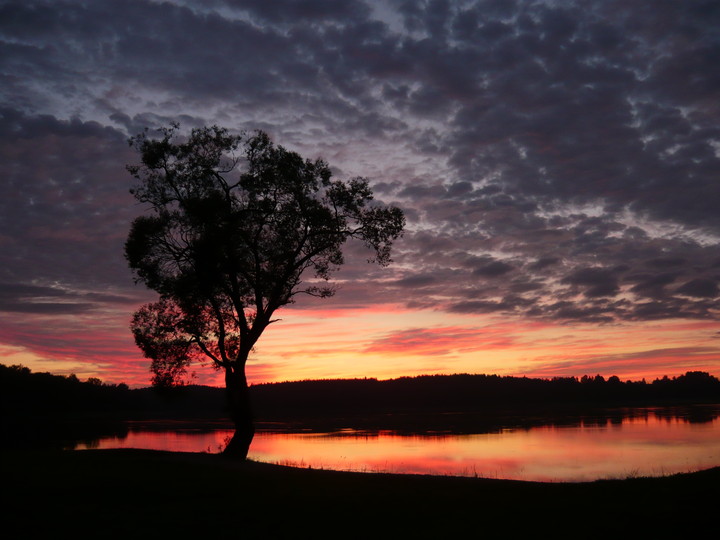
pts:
[477, 393]
[25, 394]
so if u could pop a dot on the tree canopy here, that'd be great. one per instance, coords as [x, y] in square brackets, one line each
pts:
[238, 227]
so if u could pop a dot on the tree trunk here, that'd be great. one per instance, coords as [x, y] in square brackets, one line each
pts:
[238, 395]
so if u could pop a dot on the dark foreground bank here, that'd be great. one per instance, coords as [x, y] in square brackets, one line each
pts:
[147, 494]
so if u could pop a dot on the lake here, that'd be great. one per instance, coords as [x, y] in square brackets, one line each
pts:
[639, 442]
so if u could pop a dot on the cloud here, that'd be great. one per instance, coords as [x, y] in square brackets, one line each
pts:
[555, 160]
[493, 269]
[439, 341]
[64, 200]
[653, 285]
[699, 288]
[20, 298]
[630, 365]
[597, 281]
[416, 281]
[98, 338]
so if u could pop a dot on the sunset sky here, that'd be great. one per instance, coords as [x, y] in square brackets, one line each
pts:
[558, 164]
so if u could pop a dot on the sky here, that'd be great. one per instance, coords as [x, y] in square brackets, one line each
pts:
[558, 164]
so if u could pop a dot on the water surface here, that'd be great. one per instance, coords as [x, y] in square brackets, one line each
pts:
[653, 443]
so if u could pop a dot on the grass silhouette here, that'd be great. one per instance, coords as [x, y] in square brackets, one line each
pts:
[143, 494]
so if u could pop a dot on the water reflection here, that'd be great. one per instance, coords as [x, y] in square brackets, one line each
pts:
[647, 442]
[183, 440]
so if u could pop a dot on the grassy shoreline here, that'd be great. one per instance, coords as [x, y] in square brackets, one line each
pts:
[145, 493]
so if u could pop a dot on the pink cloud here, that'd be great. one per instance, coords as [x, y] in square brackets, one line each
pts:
[441, 341]
[635, 365]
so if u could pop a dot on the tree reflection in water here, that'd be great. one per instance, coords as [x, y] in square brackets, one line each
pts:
[645, 442]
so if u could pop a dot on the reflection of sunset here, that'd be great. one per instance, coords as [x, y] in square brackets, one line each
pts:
[174, 441]
[646, 445]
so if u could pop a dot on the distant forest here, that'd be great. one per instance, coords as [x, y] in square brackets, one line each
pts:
[27, 395]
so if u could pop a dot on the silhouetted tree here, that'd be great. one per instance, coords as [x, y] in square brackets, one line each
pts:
[229, 240]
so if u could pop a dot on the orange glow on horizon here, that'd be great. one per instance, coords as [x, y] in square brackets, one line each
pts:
[394, 343]
[386, 342]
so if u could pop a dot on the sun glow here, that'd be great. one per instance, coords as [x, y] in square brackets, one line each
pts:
[390, 341]
[395, 342]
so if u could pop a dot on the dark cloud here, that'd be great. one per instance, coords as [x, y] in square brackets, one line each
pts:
[22, 298]
[493, 269]
[590, 313]
[578, 109]
[666, 262]
[507, 304]
[544, 262]
[294, 11]
[653, 286]
[416, 281]
[19, 298]
[699, 288]
[558, 160]
[64, 201]
[596, 281]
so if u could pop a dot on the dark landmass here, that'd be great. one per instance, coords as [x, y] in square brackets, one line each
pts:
[146, 494]
[475, 393]
[68, 409]
[26, 393]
